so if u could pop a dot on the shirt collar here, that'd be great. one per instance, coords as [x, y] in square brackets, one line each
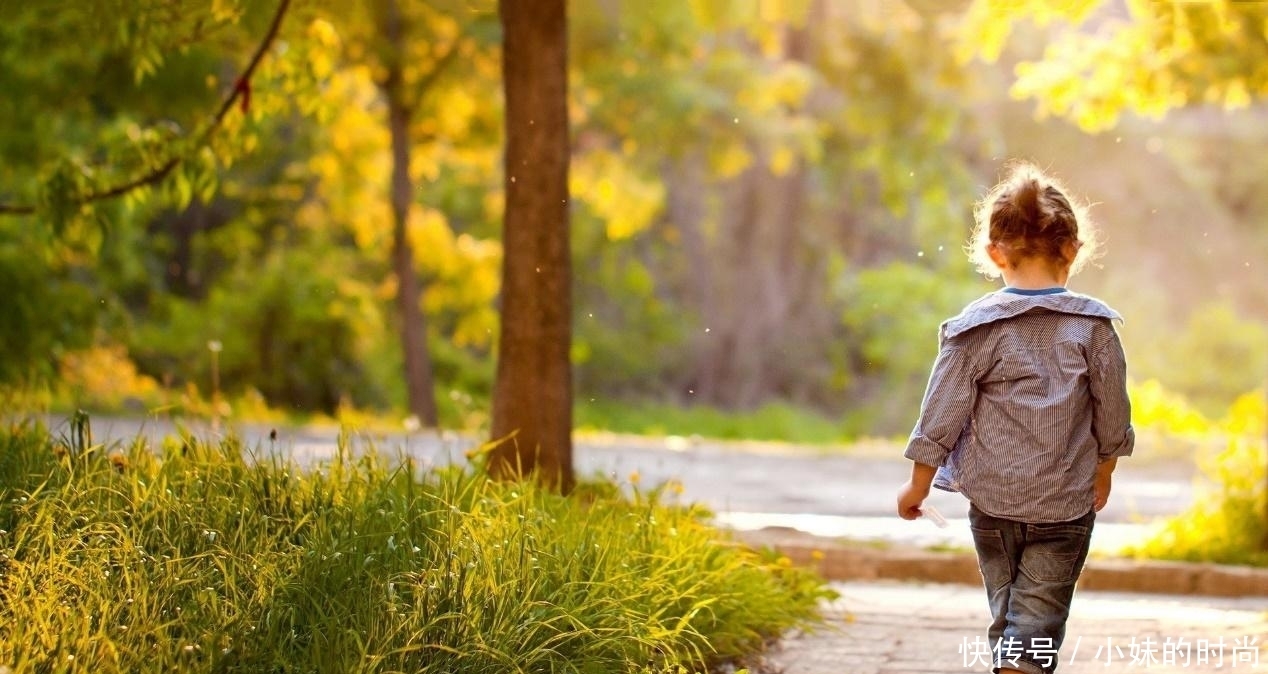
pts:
[1056, 290]
[1003, 304]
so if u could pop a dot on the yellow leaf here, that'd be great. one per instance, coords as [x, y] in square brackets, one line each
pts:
[321, 63]
[624, 200]
[1235, 95]
[781, 161]
[454, 114]
[769, 37]
[729, 160]
[446, 28]
[224, 10]
[431, 238]
[323, 33]
[792, 84]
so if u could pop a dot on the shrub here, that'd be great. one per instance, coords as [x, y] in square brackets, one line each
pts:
[1228, 522]
[46, 313]
[298, 337]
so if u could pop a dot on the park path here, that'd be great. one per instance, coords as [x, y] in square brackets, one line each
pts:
[749, 485]
[892, 627]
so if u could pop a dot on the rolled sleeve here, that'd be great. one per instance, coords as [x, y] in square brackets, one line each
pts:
[945, 411]
[1111, 408]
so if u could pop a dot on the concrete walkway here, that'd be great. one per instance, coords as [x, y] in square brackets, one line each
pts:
[894, 627]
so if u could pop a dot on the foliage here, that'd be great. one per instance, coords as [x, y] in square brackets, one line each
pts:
[883, 303]
[1226, 524]
[46, 313]
[105, 378]
[198, 559]
[138, 123]
[1162, 56]
[1217, 339]
[727, 152]
[1159, 409]
[300, 337]
[752, 185]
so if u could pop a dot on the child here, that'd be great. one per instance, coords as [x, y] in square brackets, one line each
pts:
[1026, 414]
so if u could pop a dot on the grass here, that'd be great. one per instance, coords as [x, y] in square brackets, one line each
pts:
[774, 422]
[191, 557]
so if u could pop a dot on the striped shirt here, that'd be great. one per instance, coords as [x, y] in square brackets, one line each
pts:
[1027, 395]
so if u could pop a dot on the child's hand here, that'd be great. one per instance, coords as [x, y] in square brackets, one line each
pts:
[1102, 488]
[909, 499]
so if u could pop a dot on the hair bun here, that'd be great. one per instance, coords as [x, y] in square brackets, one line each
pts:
[1029, 213]
[1026, 201]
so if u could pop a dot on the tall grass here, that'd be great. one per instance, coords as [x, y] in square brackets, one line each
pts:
[192, 558]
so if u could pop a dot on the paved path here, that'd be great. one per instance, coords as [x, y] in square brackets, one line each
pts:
[750, 485]
[888, 627]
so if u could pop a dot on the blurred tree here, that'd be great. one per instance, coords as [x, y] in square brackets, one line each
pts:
[532, 395]
[104, 100]
[411, 46]
[122, 134]
[751, 147]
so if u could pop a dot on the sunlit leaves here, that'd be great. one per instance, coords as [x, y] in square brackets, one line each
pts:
[463, 274]
[325, 41]
[352, 167]
[728, 160]
[987, 24]
[1161, 56]
[127, 92]
[753, 15]
[624, 200]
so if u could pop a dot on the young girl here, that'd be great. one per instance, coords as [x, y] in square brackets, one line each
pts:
[1026, 414]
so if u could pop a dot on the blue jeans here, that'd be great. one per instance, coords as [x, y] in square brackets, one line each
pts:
[1029, 571]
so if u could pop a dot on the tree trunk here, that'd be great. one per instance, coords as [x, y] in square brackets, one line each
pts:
[532, 395]
[418, 367]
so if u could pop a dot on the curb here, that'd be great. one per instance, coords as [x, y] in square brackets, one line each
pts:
[837, 559]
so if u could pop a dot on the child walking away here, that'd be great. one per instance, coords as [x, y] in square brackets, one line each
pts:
[1026, 414]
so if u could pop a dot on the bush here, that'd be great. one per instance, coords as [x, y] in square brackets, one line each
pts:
[45, 313]
[297, 336]
[1228, 523]
[196, 560]
[892, 315]
[103, 377]
[1218, 339]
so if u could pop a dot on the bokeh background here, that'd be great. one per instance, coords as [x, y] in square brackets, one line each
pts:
[770, 200]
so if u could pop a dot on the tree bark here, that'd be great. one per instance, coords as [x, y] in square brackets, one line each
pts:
[532, 395]
[418, 367]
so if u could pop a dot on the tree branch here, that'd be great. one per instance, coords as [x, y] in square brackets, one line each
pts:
[240, 93]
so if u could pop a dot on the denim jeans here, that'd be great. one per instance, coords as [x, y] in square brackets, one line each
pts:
[1029, 571]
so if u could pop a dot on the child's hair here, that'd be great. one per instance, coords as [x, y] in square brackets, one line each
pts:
[1030, 213]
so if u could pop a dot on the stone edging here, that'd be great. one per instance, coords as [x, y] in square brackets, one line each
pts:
[841, 560]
